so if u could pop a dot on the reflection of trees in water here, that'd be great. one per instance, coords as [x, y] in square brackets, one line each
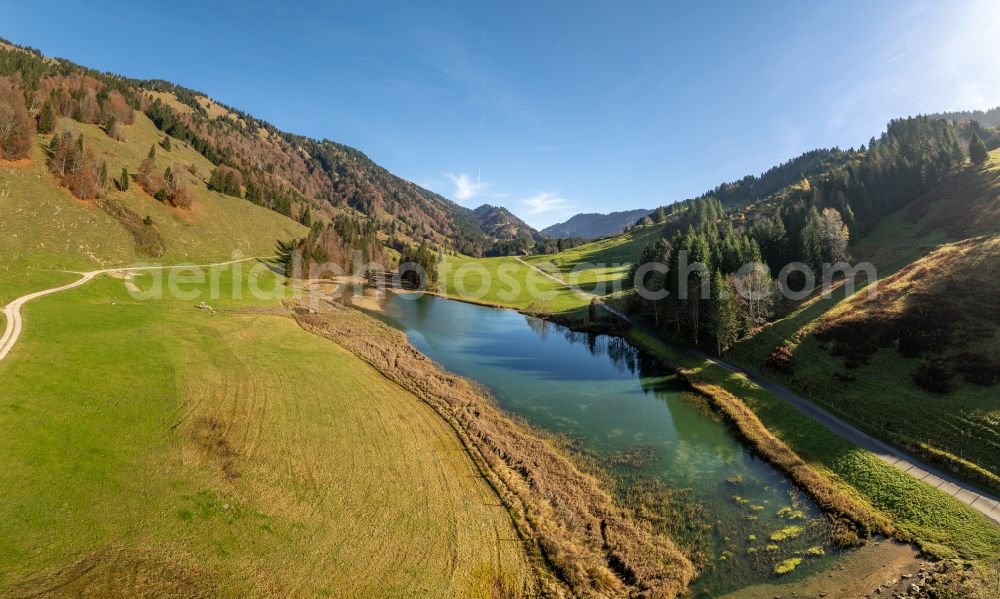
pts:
[539, 325]
[625, 356]
[421, 306]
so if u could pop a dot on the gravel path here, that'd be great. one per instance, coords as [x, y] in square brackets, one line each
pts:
[12, 311]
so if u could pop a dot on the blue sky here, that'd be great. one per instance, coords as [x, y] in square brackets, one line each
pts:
[552, 108]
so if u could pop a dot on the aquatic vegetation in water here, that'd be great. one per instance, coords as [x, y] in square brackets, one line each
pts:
[751, 538]
[788, 565]
[639, 456]
[740, 500]
[788, 532]
[736, 479]
[790, 513]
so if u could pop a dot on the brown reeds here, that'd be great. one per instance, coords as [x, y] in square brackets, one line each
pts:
[581, 542]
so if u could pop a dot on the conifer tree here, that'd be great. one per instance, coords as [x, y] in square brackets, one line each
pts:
[811, 241]
[46, 119]
[102, 176]
[165, 144]
[253, 194]
[699, 282]
[977, 150]
[54, 144]
[123, 182]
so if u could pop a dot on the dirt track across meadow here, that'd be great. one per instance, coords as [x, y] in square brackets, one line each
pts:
[12, 311]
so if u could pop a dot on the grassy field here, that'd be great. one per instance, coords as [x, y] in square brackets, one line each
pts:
[43, 227]
[602, 261]
[935, 521]
[597, 267]
[151, 446]
[507, 283]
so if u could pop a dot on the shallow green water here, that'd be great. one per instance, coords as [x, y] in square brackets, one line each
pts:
[638, 422]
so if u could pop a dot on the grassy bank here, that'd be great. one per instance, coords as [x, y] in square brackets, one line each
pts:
[856, 361]
[853, 521]
[505, 282]
[576, 532]
[151, 448]
[934, 521]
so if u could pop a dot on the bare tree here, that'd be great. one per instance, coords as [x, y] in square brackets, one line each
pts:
[755, 294]
[16, 126]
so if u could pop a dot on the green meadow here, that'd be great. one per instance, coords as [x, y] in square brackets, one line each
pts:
[152, 447]
[505, 282]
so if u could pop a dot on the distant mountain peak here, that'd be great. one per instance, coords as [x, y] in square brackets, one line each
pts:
[499, 223]
[594, 224]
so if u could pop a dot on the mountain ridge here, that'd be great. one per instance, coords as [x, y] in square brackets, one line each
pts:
[290, 173]
[500, 223]
[594, 224]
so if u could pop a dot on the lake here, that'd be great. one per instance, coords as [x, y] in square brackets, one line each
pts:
[620, 408]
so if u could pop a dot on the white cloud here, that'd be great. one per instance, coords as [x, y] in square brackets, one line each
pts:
[544, 201]
[465, 187]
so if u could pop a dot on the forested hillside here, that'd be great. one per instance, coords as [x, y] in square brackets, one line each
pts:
[913, 365]
[754, 187]
[811, 221]
[251, 159]
[508, 233]
[986, 118]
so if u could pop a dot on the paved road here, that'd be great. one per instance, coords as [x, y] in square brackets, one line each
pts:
[985, 503]
[12, 311]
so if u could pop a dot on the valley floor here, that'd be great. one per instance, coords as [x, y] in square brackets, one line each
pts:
[151, 446]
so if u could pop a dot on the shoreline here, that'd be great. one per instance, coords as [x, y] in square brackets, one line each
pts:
[582, 543]
[854, 522]
[858, 482]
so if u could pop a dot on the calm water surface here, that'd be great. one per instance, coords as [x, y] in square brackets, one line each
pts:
[637, 421]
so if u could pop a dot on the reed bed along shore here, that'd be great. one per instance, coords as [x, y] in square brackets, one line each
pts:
[581, 542]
